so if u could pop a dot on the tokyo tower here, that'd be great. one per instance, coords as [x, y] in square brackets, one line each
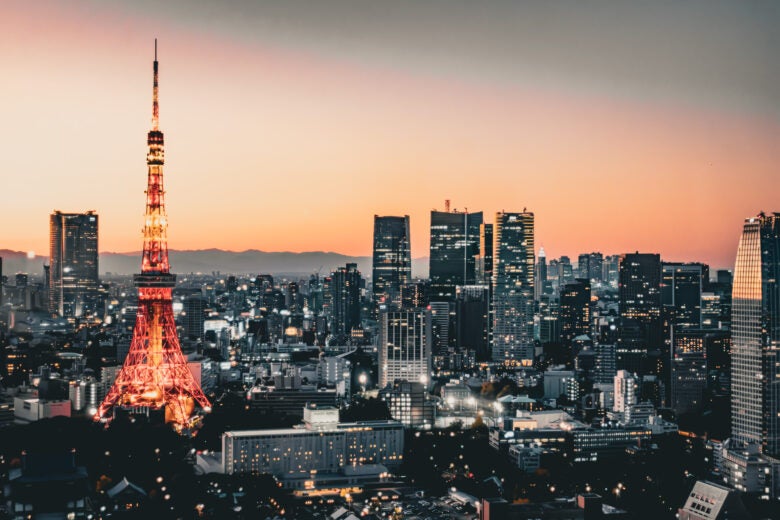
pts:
[155, 375]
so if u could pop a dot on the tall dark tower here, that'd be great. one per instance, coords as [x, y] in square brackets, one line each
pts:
[155, 375]
[454, 248]
[639, 291]
[73, 274]
[513, 288]
[392, 267]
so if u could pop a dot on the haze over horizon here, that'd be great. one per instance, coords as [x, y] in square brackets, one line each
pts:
[289, 125]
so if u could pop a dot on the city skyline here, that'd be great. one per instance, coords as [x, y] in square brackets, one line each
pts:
[571, 174]
[596, 145]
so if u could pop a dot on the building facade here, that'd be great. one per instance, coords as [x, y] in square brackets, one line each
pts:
[392, 266]
[323, 446]
[344, 287]
[404, 349]
[681, 293]
[73, 253]
[755, 349]
[574, 310]
[513, 288]
[639, 292]
[751, 457]
[455, 240]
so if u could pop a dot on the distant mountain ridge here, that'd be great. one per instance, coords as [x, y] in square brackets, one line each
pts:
[251, 261]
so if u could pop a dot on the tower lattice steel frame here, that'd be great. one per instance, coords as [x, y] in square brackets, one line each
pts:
[155, 374]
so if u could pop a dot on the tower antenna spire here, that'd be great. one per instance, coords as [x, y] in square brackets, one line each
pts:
[155, 104]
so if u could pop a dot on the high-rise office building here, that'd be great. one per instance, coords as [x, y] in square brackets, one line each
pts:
[540, 274]
[549, 320]
[414, 295]
[753, 451]
[485, 257]
[574, 310]
[442, 320]
[73, 253]
[755, 336]
[639, 295]
[604, 370]
[345, 300]
[404, 351]
[590, 267]
[681, 290]
[513, 288]
[565, 271]
[472, 313]
[392, 267]
[610, 271]
[194, 316]
[455, 239]
[688, 370]
[722, 288]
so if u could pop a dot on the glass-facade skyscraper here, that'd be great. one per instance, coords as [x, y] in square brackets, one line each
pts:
[345, 301]
[392, 267]
[454, 247]
[641, 331]
[681, 288]
[73, 253]
[574, 310]
[513, 288]
[755, 336]
[485, 257]
[751, 457]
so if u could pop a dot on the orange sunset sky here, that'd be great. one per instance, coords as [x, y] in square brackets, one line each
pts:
[288, 125]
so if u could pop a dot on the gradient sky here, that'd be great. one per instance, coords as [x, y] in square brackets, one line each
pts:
[651, 126]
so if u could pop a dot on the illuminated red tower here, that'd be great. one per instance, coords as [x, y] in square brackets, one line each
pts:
[155, 374]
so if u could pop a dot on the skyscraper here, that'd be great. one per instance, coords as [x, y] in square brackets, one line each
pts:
[590, 266]
[755, 336]
[404, 346]
[751, 457]
[73, 253]
[472, 313]
[194, 317]
[345, 299]
[610, 270]
[688, 370]
[540, 274]
[392, 266]
[639, 294]
[485, 257]
[681, 288]
[455, 241]
[565, 271]
[574, 310]
[513, 288]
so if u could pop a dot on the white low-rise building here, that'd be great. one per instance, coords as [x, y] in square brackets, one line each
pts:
[321, 446]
